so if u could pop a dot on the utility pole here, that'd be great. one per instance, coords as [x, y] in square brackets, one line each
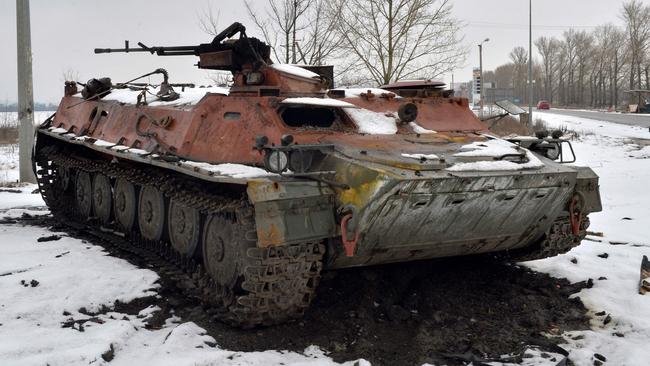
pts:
[25, 92]
[480, 57]
[530, 61]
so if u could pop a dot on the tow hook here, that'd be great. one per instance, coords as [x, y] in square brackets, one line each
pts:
[575, 216]
[350, 246]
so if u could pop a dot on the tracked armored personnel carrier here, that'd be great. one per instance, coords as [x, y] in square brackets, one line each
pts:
[257, 188]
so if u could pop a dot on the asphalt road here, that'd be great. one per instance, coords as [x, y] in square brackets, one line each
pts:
[642, 120]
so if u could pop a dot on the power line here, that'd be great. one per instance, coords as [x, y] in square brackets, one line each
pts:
[484, 24]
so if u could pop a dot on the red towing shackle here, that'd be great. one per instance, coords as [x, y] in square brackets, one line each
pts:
[350, 246]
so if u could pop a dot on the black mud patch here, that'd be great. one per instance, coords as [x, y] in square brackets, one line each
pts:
[438, 312]
[452, 311]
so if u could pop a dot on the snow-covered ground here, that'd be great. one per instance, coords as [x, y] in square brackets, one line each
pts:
[44, 285]
[32, 313]
[621, 157]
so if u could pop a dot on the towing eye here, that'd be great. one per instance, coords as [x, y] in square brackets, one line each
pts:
[575, 216]
[349, 245]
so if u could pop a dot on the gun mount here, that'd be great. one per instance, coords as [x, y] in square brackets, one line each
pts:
[249, 61]
[223, 53]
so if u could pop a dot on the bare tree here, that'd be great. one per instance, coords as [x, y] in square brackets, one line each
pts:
[282, 19]
[519, 58]
[548, 49]
[637, 21]
[397, 39]
[209, 21]
[319, 40]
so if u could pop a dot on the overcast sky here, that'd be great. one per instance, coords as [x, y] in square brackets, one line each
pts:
[65, 32]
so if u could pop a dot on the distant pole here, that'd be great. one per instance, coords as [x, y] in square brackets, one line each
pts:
[480, 67]
[530, 61]
[452, 82]
[25, 92]
[480, 57]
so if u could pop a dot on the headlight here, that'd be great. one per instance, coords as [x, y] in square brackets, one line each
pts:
[552, 151]
[300, 161]
[276, 161]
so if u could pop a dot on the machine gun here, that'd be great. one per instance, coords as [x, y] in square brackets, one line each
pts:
[220, 54]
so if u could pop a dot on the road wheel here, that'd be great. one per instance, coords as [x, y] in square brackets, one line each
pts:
[151, 213]
[222, 251]
[125, 202]
[184, 228]
[102, 198]
[83, 194]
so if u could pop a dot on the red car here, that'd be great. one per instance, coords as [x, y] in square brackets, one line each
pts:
[543, 105]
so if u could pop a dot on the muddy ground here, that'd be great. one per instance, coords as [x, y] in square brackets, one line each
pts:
[450, 311]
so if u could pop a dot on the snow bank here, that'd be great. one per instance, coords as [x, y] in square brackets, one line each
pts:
[25, 199]
[373, 123]
[624, 176]
[322, 102]
[70, 275]
[9, 163]
[295, 71]
[586, 126]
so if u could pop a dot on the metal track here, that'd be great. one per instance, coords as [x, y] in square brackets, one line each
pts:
[274, 284]
[559, 239]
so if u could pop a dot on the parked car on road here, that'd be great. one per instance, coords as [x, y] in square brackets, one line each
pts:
[542, 104]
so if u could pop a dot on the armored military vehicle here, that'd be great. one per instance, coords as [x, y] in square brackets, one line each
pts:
[259, 187]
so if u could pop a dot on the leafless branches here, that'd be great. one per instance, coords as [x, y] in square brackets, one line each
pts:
[209, 21]
[399, 39]
[589, 68]
[281, 24]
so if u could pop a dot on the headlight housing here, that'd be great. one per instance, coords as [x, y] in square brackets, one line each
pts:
[276, 161]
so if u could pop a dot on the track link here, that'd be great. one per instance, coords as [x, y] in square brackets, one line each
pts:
[559, 239]
[273, 285]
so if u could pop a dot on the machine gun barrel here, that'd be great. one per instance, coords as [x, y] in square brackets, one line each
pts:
[220, 54]
[160, 51]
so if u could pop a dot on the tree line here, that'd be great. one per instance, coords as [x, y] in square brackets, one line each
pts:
[368, 41]
[585, 68]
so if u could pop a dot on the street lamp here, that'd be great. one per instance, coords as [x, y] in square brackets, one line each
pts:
[530, 61]
[480, 56]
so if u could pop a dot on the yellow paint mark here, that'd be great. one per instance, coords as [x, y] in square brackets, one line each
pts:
[360, 195]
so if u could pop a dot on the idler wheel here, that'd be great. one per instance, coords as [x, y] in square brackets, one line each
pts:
[102, 198]
[151, 213]
[83, 194]
[124, 200]
[184, 228]
[221, 250]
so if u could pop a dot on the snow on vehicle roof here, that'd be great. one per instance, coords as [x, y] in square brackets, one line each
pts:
[491, 148]
[323, 102]
[373, 123]
[422, 156]
[229, 170]
[189, 96]
[356, 92]
[294, 70]
[494, 148]
[419, 129]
